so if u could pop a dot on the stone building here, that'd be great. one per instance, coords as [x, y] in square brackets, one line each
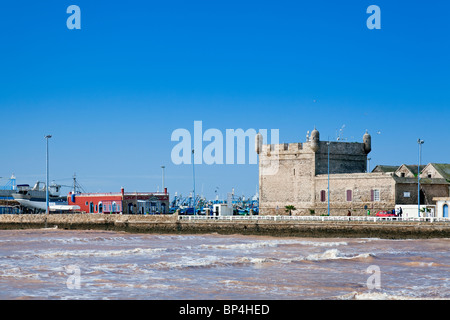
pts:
[299, 174]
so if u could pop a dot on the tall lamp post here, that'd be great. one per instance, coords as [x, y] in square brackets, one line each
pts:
[420, 143]
[328, 197]
[162, 167]
[193, 174]
[46, 183]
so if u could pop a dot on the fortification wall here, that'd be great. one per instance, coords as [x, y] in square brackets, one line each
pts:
[344, 158]
[297, 167]
[171, 224]
[360, 187]
[290, 181]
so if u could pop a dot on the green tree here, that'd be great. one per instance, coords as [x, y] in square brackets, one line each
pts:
[289, 209]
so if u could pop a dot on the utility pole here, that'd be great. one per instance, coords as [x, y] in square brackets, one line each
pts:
[74, 183]
[420, 143]
[328, 197]
[193, 173]
[46, 183]
[163, 167]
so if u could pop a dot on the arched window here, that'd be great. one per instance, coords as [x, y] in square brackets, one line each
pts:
[100, 207]
[91, 207]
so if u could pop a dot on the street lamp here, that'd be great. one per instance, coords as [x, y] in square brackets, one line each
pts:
[193, 174]
[420, 143]
[328, 197]
[46, 183]
[162, 167]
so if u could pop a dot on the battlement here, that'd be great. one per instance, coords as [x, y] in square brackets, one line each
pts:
[318, 157]
[282, 147]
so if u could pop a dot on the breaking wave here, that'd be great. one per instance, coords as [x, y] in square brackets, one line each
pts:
[17, 273]
[99, 253]
[372, 295]
[214, 261]
[334, 254]
[276, 243]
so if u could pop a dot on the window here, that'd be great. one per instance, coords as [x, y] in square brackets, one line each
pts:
[429, 175]
[375, 195]
[402, 174]
[406, 194]
[349, 195]
[322, 195]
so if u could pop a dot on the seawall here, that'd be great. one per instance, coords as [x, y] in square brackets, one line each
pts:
[173, 225]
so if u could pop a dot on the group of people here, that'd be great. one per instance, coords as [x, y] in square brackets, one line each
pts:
[398, 212]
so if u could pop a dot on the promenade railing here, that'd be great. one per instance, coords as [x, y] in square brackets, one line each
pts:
[313, 218]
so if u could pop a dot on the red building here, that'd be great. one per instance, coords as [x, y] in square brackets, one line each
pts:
[121, 202]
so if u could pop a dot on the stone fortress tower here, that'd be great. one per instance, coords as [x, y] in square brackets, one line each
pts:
[300, 168]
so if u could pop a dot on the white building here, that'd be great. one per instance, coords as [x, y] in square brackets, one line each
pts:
[442, 206]
[220, 209]
[412, 211]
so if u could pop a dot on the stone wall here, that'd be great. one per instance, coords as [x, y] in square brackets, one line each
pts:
[171, 224]
[80, 220]
[344, 158]
[360, 186]
[429, 189]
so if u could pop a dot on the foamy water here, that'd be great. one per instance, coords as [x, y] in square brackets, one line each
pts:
[61, 264]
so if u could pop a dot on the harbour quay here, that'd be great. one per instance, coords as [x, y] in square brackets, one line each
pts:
[279, 226]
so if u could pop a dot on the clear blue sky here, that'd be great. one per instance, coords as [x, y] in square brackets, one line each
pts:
[112, 93]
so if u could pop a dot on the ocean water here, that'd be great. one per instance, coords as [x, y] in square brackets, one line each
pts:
[94, 265]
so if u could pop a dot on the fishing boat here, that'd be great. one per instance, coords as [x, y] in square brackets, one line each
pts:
[35, 198]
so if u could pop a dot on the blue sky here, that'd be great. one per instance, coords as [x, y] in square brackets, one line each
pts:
[112, 93]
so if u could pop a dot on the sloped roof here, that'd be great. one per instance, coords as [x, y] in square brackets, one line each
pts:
[413, 168]
[413, 180]
[385, 168]
[443, 169]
